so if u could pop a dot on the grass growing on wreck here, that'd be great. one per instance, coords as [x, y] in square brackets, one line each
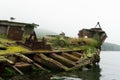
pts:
[66, 43]
[14, 49]
[85, 41]
[11, 47]
[58, 43]
[89, 52]
[88, 45]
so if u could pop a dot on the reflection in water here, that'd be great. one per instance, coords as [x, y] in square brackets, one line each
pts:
[86, 74]
[34, 76]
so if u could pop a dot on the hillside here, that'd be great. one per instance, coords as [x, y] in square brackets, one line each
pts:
[110, 47]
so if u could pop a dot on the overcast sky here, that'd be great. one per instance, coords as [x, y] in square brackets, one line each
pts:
[67, 16]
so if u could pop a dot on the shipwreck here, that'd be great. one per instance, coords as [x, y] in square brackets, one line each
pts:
[20, 48]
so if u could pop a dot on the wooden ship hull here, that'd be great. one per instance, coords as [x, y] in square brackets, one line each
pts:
[53, 60]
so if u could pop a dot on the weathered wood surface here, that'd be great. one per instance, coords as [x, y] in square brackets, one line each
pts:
[41, 58]
[58, 60]
[63, 60]
[70, 56]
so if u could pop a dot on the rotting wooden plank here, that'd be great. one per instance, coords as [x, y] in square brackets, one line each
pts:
[9, 61]
[81, 64]
[84, 62]
[77, 54]
[69, 56]
[27, 59]
[14, 67]
[63, 60]
[49, 62]
[11, 65]
[22, 64]
[48, 51]
[39, 66]
[24, 58]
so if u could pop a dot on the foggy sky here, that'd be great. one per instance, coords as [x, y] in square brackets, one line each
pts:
[67, 16]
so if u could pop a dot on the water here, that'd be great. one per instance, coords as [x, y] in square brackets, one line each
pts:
[110, 66]
[108, 69]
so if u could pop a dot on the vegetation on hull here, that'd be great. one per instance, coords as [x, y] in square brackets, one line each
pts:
[53, 52]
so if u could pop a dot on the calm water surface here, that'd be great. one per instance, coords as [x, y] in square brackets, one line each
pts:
[108, 69]
[110, 66]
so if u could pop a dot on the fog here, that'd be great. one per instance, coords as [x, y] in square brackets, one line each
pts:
[67, 16]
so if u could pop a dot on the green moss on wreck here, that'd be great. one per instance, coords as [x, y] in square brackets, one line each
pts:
[10, 46]
[66, 43]
[14, 49]
[57, 42]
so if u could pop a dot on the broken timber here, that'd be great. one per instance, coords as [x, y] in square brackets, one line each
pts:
[61, 60]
